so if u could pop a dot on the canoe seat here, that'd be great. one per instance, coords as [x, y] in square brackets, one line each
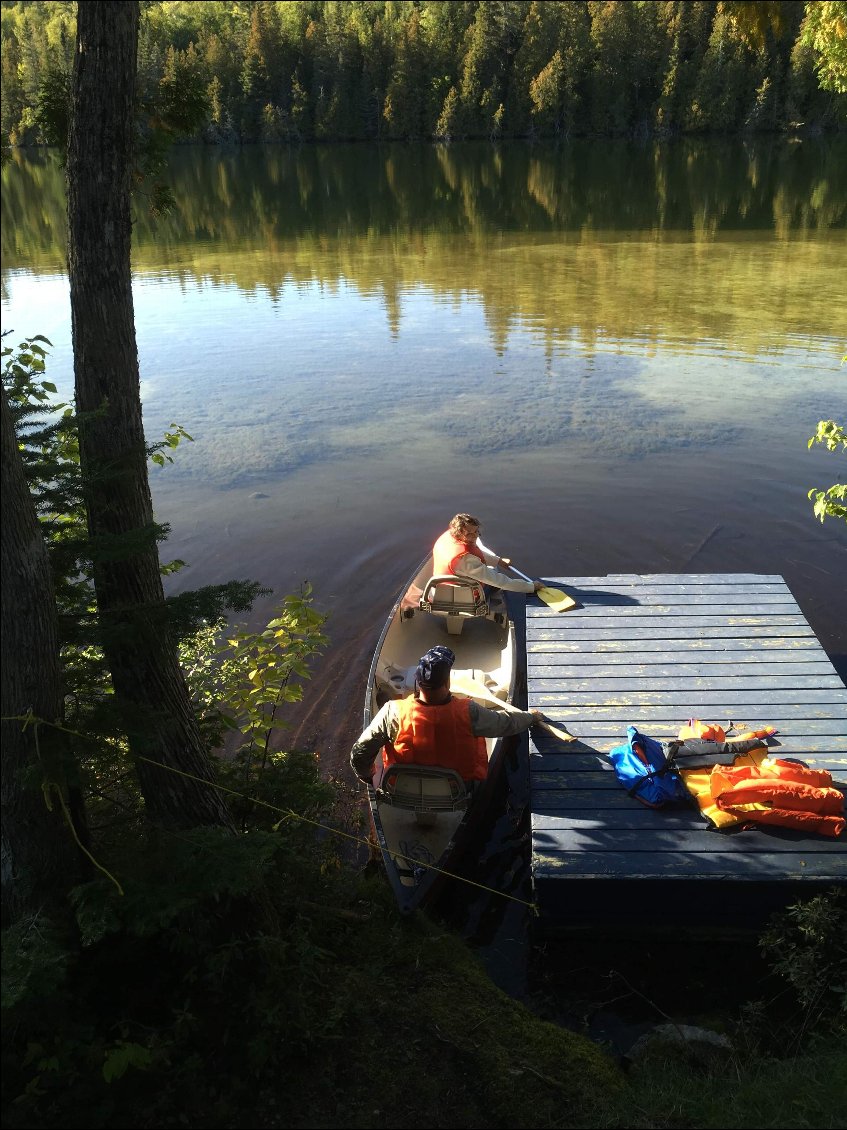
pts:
[457, 598]
[422, 788]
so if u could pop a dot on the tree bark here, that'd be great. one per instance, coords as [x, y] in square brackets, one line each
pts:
[142, 656]
[37, 866]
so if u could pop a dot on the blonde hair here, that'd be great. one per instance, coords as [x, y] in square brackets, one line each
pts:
[465, 527]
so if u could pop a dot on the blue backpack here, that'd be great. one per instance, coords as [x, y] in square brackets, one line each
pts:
[643, 769]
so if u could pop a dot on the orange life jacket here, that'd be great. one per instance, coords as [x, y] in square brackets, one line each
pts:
[705, 731]
[438, 735]
[447, 551]
[711, 731]
[779, 792]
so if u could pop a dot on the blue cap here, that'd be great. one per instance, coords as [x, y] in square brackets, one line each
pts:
[434, 667]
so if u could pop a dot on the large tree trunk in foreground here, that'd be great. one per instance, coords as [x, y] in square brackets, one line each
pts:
[141, 654]
[37, 860]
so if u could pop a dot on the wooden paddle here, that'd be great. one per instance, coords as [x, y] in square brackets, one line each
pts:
[463, 683]
[555, 599]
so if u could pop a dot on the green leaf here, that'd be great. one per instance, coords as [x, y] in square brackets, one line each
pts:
[124, 1056]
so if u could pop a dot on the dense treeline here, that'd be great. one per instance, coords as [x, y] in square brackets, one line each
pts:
[397, 69]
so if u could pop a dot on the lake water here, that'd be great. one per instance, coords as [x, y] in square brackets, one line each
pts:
[613, 353]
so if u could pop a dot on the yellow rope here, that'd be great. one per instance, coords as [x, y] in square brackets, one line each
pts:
[79, 843]
[47, 785]
[285, 812]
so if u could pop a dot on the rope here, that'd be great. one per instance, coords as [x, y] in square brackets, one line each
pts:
[287, 814]
[48, 785]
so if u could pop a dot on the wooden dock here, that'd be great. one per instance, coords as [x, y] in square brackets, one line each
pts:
[654, 651]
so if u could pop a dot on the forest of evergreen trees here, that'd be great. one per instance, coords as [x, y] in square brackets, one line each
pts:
[414, 69]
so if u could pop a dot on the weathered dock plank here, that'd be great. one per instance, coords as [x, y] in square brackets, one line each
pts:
[659, 650]
[758, 866]
[654, 651]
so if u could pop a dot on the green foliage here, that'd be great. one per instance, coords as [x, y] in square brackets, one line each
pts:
[123, 1056]
[447, 126]
[47, 436]
[751, 1093]
[754, 22]
[824, 30]
[35, 961]
[23, 372]
[234, 984]
[831, 502]
[172, 440]
[807, 947]
[182, 105]
[196, 959]
[191, 612]
[199, 957]
[53, 106]
[240, 682]
[171, 106]
[195, 1005]
[272, 658]
[94, 729]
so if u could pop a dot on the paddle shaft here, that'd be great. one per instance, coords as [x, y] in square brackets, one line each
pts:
[522, 576]
[476, 689]
[555, 599]
[485, 549]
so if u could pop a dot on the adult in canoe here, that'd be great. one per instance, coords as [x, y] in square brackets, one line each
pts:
[433, 728]
[456, 553]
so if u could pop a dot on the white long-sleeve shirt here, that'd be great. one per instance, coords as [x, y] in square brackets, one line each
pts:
[469, 565]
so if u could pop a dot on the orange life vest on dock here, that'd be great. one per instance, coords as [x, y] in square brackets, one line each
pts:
[447, 551]
[438, 735]
[779, 792]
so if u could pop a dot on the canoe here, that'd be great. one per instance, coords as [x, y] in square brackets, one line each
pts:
[422, 818]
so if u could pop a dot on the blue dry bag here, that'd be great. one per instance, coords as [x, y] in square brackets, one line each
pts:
[645, 772]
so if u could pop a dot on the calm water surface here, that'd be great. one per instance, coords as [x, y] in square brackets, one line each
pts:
[614, 354]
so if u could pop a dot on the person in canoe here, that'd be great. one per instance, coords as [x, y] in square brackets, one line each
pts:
[433, 728]
[456, 553]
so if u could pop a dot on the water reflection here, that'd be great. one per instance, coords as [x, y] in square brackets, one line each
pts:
[266, 193]
[308, 306]
[586, 242]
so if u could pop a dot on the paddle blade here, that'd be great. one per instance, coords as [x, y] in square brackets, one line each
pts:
[462, 683]
[562, 735]
[555, 599]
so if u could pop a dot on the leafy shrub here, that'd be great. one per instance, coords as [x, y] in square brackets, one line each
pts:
[807, 946]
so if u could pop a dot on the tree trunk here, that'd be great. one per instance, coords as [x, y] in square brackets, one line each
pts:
[142, 656]
[35, 842]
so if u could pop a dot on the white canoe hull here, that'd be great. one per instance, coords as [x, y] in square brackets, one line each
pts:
[419, 847]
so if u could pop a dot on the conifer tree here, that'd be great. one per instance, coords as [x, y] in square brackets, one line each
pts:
[406, 97]
[255, 75]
